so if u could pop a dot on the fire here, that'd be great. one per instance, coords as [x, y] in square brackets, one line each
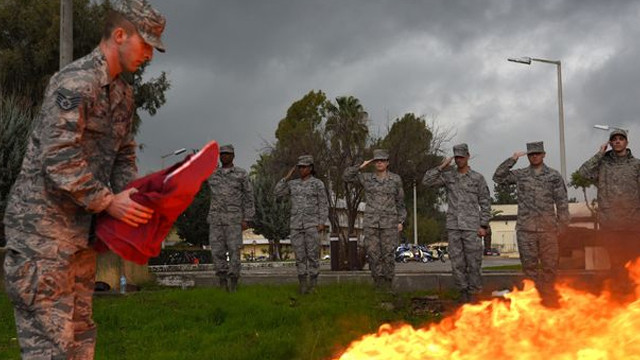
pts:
[584, 327]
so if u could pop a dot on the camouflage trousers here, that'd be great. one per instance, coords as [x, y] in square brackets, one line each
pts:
[380, 245]
[539, 254]
[465, 253]
[223, 239]
[50, 283]
[622, 247]
[306, 247]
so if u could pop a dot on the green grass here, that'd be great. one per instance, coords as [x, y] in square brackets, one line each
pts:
[514, 267]
[257, 322]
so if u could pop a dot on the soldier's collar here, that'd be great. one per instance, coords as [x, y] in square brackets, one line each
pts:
[102, 68]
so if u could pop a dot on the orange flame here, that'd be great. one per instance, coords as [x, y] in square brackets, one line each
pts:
[583, 327]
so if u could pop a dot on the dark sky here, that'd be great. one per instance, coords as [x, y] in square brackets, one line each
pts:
[236, 66]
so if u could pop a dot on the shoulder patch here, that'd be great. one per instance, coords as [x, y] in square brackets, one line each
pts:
[67, 100]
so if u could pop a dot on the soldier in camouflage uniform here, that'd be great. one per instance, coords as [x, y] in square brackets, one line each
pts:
[616, 174]
[309, 212]
[80, 155]
[543, 213]
[384, 215]
[230, 212]
[468, 215]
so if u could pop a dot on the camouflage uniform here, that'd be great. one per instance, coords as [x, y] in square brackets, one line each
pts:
[80, 152]
[309, 209]
[384, 210]
[543, 212]
[617, 179]
[231, 203]
[468, 209]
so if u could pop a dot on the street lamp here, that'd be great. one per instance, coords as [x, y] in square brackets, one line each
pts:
[609, 127]
[175, 152]
[527, 61]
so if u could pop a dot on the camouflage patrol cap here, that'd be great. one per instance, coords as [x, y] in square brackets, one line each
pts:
[380, 154]
[147, 20]
[535, 147]
[618, 132]
[227, 149]
[461, 150]
[305, 160]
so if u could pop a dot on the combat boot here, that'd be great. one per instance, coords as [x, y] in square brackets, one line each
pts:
[233, 284]
[302, 287]
[313, 281]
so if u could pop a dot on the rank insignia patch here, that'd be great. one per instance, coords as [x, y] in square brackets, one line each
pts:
[67, 100]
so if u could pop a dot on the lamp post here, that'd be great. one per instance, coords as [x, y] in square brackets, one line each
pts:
[175, 152]
[609, 127]
[558, 64]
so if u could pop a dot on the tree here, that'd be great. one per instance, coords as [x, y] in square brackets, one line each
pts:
[192, 225]
[29, 52]
[15, 125]
[580, 182]
[271, 218]
[505, 194]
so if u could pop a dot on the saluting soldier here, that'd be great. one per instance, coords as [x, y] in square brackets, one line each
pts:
[80, 155]
[230, 212]
[468, 213]
[543, 213]
[384, 215]
[309, 213]
[616, 174]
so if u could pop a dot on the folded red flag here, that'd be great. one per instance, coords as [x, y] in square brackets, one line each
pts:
[168, 192]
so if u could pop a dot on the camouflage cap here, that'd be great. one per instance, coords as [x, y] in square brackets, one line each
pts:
[618, 132]
[380, 154]
[535, 147]
[147, 20]
[461, 150]
[305, 160]
[227, 149]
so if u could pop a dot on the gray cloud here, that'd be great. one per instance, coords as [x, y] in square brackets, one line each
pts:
[236, 66]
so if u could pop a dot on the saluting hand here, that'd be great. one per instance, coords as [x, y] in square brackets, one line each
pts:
[603, 148]
[290, 173]
[518, 154]
[445, 162]
[125, 209]
[365, 163]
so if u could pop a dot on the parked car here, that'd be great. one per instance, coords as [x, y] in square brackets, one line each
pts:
[492, 252]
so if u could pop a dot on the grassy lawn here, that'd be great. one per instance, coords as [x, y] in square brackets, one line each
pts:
[257, 322]
[515, 267]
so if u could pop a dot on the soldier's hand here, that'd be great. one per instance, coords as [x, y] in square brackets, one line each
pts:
[603, 148]
[446, 162]
[290, 173]
[482, 232]
[365, 163]
[321, 227]
[244, 225]
[518, 154]
[400, 227]
[127, 210]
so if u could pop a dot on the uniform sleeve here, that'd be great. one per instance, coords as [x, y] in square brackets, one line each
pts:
[282, 188]
[323, 204]
[352, 175]
[590, 168]
[65, 166]
[124, 168]
[484, 200]
[433, 178]
[562, 202]
[400, 206]
[503, 174]
[248, 206]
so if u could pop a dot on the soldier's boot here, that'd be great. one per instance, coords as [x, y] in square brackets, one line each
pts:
[302, 286]
[222, 282]
[233, 284]
[313, 281]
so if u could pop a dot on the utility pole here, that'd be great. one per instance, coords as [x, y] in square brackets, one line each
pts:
[66, 32]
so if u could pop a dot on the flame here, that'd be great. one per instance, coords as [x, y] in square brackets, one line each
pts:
[584, 327]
